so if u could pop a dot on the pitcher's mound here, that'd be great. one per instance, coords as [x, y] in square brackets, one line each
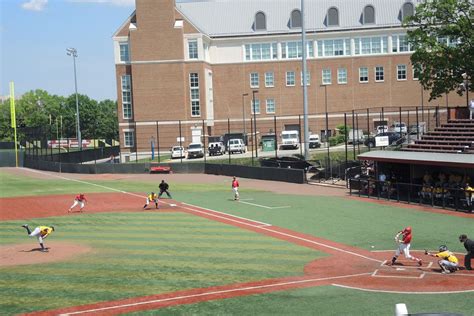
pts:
[29, 253]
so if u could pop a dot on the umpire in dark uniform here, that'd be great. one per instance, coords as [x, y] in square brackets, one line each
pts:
[164, 189]
[469, 245]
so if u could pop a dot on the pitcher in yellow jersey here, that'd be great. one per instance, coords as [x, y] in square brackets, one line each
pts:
[40, 232]
[152, 197]
[448, 262]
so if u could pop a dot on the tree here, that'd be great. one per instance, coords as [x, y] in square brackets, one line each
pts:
[442, 35]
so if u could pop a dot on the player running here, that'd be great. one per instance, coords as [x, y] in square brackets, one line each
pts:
[152, 197]
[79, 199]
[40, 232]
[448, 262]
[235, 188]
[403, 238]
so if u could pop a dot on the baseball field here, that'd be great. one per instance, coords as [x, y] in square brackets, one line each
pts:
[283, 249]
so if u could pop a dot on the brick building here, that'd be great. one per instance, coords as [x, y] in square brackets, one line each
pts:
[184, 68]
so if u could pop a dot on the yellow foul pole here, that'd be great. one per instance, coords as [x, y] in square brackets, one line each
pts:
[13, 117]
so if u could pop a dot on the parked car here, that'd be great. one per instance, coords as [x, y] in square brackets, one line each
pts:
[393, 139]
[286, 162]
[178, 152]
[420, 128]
[216, 148]
[290, 139]
[355, 136]
[236, 145]
[195, 150]
[314, 141]
[399, 127]
[381, 129]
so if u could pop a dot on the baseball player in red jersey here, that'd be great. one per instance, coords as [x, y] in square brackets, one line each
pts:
[79, 199]
[235, 188]
[403, 238]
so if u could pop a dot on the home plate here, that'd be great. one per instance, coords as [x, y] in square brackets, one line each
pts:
[172, 204]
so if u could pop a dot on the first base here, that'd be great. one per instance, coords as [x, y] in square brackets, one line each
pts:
[172, 204]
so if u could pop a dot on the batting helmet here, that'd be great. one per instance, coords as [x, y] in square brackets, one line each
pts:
[443, 248]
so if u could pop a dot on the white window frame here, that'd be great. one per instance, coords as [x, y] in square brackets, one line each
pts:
[254, 80]
[341, 75]
[267, 106]
[415, 77]
[287, 78]
[396, 44]
[298, 49]
[126, 86]
[120, 52]
[383, 73]
[195, 103]
[256, 51]
[383, 44]
[308, 77]
[257, 106]
[194, 54]
[269, 79]
[125, 132]
[367, 74]
[324, 76]
[402, 72]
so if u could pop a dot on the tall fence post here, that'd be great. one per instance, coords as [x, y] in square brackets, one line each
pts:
[368, 122]
[417, 124]
[353, 136]
[345, 139]
[204, 140]
[180, 139]
[276, 139]
[158, 140]
[253, 136]
[358, 140]
[299, 131]
[228, 141]
[136, 143]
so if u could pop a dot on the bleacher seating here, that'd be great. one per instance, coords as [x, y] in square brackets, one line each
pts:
[456, 136]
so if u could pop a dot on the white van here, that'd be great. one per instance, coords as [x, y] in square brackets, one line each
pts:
[236, 145]
[290, 139]
[314, 141]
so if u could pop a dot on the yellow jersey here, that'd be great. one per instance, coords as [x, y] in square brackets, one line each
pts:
[45, 231]
[447, 255]
[152, 197]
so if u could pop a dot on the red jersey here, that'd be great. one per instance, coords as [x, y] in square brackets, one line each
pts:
[80, 197]
[235, 183]
[406, 236]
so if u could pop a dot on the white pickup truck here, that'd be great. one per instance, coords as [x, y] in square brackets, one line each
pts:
[290, 139]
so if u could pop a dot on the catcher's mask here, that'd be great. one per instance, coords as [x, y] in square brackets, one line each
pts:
[443, 248]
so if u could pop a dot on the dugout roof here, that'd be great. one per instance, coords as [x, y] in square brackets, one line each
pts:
[420, 158]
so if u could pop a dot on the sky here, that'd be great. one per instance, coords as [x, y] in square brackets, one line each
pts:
[34, 35]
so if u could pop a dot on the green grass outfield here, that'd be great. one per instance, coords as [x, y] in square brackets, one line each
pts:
[151, 253]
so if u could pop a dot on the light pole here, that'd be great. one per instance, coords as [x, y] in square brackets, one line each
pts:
[243, 115]
[254, 122]
[73, 52]
[466, 87]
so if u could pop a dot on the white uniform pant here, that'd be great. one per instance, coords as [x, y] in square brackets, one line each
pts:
[37, 233]
[405, 249]
[81, 203]
[448, 264]
[236, 192]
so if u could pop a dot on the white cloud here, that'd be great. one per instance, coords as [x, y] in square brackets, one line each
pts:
[122, 3]
[35, 5]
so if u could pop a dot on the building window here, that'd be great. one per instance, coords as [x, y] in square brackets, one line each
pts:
[290, 78]
[193, 49]
[293, 50]
[295, 19]
[255, 106]
[368, 17]
[336, 47]
[333, 17]
[124, 53]
[265, 51]
[379, 74]
[260, 21]
[270, 106]
[401, 72]
[129, 138]
[363, 74]
[341, 75]
[371, 45]
[326, 76]
[254, 82]
[269, 79]
[400, 44]
[407, 10]
[127, 98]
[308, 78]
[416, 73]
[194, 94]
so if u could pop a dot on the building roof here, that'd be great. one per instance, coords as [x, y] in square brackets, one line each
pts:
[420, 158]
[220, 18]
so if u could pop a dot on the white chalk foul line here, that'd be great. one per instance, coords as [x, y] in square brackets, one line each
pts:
[214, 293]
[399, 292]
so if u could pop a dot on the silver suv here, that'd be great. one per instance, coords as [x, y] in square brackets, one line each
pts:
[195, 150]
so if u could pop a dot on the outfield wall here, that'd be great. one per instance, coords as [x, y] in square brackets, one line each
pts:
[262, 173]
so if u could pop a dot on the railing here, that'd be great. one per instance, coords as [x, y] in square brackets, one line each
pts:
[444, 197]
